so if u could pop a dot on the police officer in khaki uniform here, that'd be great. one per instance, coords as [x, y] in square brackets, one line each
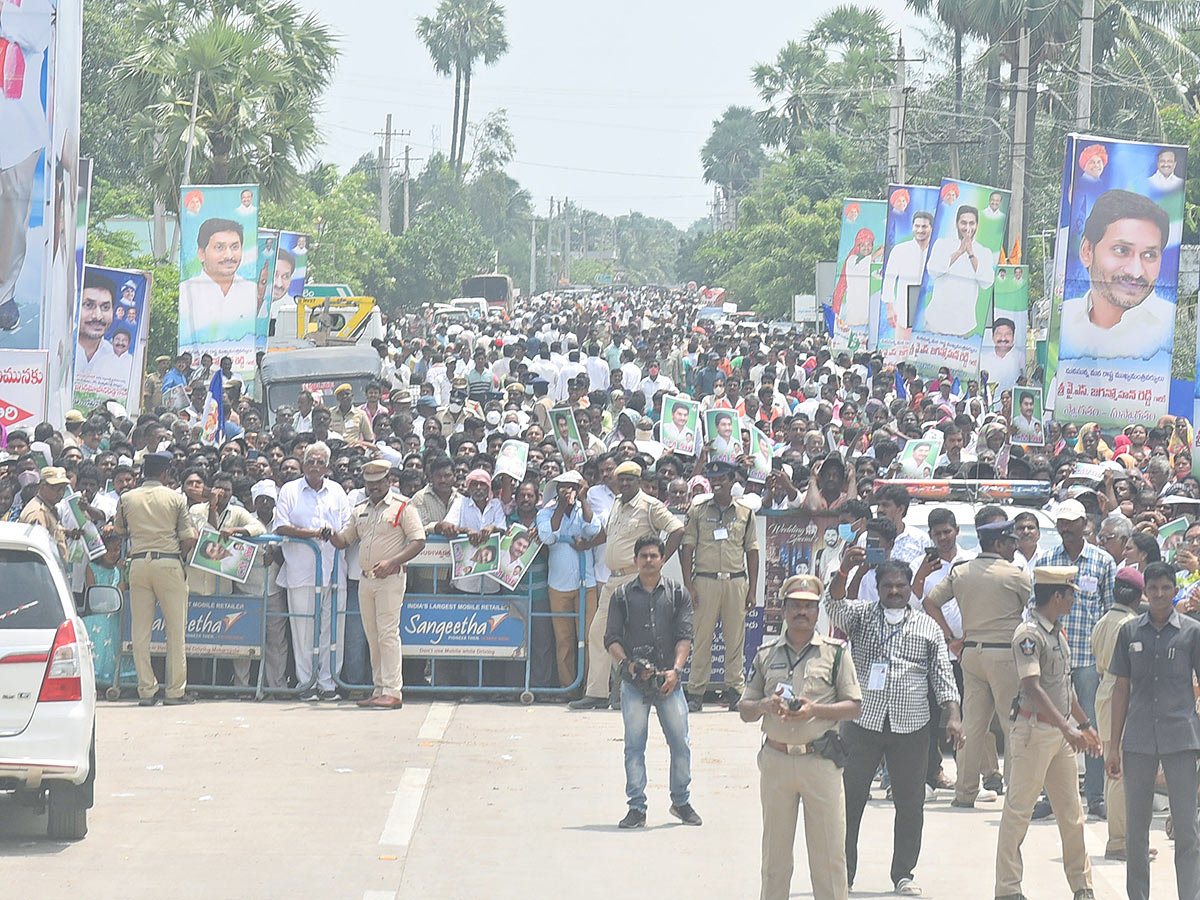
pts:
[719, 560]
[42, 508]
[819, 673]
[390, 534]
[160, 537]
[992, 593]
[348, 420]
[152, 391]
[634, 514]
[1043, 742]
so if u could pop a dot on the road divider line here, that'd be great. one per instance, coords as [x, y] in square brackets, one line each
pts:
[406, 806]
[436, 720]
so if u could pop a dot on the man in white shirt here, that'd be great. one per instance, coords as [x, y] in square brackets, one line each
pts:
[246, 207]
[1164, 180]
[1028, 429]
[1121, 315]
[25, 33]
[654, 382]
[993, 210]
[218, 305]
[631, 372]
[599, 375]
[570, 369]
[1003, 366]
[905, 268]
[97, 366]
[960, 268]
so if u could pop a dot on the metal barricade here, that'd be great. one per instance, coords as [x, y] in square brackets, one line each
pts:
[524, 691]
[259, 690]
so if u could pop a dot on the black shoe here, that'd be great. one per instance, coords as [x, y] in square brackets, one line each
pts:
[179, 701]
[695, 704]
[311, 696]
[327, 695]
[994, 783]
[1098, 809]
[1042, 810]
[589, 703]
[684, 814]
[635, 818]
[147, 701]
[732, 698]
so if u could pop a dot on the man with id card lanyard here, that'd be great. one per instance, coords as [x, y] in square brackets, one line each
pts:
[899, 655]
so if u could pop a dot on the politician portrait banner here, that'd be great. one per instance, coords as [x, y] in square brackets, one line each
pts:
[110, 344]
[1004, 338]
[859, 245]
[968, 237]
[268, 244]
[291, 265]
[1116, 325]
[218, 274]
[910, 212]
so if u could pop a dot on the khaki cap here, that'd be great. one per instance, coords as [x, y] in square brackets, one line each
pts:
[629, 467]
[54, 475]
[376, 470]
[1064, 575]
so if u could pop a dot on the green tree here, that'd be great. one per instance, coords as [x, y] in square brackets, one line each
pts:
[733, 155]
[263, 65]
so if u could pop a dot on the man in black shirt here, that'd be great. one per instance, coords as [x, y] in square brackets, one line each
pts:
[1155, 658]
[649, 636]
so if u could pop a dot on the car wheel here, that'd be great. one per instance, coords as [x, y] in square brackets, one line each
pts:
[67, 812]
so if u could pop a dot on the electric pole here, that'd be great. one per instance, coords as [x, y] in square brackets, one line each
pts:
[385, 175]
[1016, 216]
[567, 241]
[896, 121]
[532, 255]
[549, 241]
[407, 150]
[1083, 102]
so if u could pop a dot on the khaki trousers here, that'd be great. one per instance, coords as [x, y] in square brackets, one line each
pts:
[724, 599]
[784, 781]
[380, 601]
[599, 662]
[161, 581]
[1114, 802]
[989, 684]
[1040, 756]
[565, 606]
[16, 202]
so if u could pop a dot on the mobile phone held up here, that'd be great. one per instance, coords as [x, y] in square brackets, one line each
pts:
[875, 551]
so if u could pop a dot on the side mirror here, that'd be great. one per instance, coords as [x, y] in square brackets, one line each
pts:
[102, 600]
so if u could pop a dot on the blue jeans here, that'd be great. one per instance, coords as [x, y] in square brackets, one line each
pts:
[356, 660]
[1085, 680]
[672, 716]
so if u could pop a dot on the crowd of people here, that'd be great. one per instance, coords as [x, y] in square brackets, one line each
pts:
[944, 648]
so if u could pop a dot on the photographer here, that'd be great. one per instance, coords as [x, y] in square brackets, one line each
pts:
[649, 636]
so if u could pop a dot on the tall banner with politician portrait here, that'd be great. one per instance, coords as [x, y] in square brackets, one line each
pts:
[1006, 334]
[218, 273]
[967, 240]
[291, 266]
[1120, 274]
[268, 244]
[110, 343]
[909, 231]
[859, 246]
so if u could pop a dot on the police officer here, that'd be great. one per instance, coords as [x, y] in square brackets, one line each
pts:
[390, 534]
[815, 675]
[154, 382]
[1043, 743]
[42, 508]
[349, 420]
[160, 536]
[992, 593]
[719, 560]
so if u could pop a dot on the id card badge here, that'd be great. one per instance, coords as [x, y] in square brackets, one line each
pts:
[1088, 583]
[720, 534]
[877, 680]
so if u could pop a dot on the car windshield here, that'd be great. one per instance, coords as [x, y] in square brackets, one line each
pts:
[30, 596]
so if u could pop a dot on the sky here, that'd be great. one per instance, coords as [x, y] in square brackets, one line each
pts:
[609, 102]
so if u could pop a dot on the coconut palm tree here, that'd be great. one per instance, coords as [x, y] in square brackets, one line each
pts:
[733, 155]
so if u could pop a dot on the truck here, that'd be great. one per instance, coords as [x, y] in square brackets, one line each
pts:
[493, 287]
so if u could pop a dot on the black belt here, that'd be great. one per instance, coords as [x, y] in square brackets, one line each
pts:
[154, 554]
[986, 646]
[721, 576]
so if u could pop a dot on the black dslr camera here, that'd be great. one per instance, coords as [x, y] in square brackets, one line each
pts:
[643, 672]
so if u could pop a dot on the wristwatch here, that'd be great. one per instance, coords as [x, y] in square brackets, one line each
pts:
[1085, 724]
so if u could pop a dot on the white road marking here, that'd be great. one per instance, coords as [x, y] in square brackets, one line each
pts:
[436, 721]
[379, 895]
[398, 829]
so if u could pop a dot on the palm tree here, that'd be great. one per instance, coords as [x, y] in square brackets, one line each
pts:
[957, 16]
[796, 90]
[461, 33]
[733, 155]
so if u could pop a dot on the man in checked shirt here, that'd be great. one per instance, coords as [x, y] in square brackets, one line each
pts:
[899, 655]
[1093, 597]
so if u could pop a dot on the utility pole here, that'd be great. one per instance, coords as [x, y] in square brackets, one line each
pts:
[567, 241]
[1016, 217]
[385, 175]
[532, 255]
[407, 150]
[895, 121]
[385, 220]
[549, 240]
[1083, 102]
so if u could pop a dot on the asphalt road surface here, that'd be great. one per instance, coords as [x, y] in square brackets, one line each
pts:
[325, 801]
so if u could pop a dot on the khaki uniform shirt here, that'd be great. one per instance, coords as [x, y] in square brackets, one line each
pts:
[1104, 641]
[353, 426]
[233, 517]
[35, 512]
[810, 671]
[724, 552]
[382, 529]
[992, 594]
[155, 518]
[1040, 648]
[642, 516]
[152, 391]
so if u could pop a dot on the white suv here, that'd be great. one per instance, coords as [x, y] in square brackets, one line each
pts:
[47, 682]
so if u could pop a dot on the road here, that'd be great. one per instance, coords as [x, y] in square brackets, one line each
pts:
[325, 801]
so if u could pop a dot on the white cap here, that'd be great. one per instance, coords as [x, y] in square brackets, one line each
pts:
[570, 477]
[264, 488]
[1070, 511]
